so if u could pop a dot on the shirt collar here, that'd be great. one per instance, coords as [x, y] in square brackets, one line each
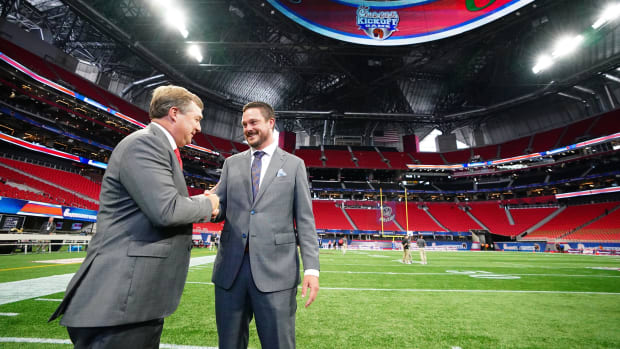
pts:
[269, 150]
[173, 144]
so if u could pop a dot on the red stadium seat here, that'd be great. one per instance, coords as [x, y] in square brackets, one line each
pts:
[329, 216]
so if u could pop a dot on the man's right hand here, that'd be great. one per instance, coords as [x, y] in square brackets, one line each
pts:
[215, 202]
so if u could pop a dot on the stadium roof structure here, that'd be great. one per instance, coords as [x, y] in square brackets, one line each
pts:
[252, 51]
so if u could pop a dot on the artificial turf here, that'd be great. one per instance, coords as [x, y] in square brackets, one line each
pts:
[368, 299]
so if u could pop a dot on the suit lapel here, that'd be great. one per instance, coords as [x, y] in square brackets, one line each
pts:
[274, 165]
[162, 137]
[174, 163]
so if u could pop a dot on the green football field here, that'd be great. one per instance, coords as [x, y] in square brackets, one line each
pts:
[368, 299]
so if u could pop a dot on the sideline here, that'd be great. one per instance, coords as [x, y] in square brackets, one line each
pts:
[39, 266]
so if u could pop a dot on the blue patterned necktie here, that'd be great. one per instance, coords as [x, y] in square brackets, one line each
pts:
[256, 165]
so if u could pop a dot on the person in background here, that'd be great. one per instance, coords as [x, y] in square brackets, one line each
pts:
[406, 253]
[265, 200]
[421, 246]
[47, 228]
[136, 266]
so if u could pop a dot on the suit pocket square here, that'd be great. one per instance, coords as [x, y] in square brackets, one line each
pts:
[281, 173]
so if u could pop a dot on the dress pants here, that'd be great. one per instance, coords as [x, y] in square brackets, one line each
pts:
[274, 313]
[143, 335]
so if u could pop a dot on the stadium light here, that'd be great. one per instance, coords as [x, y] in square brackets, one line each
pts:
[609, 14]
[543, 62]
[165, 4]
[174, 17]
[569, 44]
[566, 46]
[194, 52]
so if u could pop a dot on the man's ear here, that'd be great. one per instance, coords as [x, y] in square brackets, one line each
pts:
[172, 113]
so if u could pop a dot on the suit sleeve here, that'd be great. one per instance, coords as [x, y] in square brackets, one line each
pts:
[147, 176]
[304, 220]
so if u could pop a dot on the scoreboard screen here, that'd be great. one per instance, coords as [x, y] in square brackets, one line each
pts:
[9, 222]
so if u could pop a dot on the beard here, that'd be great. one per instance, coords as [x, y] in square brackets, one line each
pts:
[259, 139]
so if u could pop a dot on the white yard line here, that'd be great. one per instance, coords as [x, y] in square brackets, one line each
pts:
[445, 290]
[9, 314]
[34, 340]
[175, 346]
[15, 291]
[32, 288]
[68, 342]
[465, 291]
[201, 260]
[448, 274]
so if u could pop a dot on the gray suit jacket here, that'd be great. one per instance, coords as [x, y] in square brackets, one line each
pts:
[137, 261]
[279, 218]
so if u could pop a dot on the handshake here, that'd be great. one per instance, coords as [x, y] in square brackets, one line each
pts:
[215, 202]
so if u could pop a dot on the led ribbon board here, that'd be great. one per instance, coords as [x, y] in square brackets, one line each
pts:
[520, 157]
[49, 151]
[391, 23]
[85, 99]
[588, 192]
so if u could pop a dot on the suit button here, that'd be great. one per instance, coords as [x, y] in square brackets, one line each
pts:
[252, 212]
[243, 236]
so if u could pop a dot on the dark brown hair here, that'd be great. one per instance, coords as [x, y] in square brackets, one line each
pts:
[266, 109]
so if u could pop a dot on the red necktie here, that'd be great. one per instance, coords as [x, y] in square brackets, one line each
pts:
[178, 154]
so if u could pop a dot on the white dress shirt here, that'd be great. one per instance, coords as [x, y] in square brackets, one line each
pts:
[173, 144]
[265, 160]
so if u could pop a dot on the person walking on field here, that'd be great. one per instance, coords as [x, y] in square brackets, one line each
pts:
[421, 245]
[406, 253]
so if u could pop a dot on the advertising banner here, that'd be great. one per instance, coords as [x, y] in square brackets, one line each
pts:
[522, 246]
[43, 209]
[391, 23]
[388, 214]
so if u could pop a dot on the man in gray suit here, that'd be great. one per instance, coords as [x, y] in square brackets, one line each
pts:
[136, 266]
[266, 202]
[48, 227]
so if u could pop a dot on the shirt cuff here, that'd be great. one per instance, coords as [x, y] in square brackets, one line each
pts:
[312, 272]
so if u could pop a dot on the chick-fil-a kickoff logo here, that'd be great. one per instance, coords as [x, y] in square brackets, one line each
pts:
[397, 22]
[378, 25]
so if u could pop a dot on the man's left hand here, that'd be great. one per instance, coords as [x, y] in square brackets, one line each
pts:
[312, 282]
